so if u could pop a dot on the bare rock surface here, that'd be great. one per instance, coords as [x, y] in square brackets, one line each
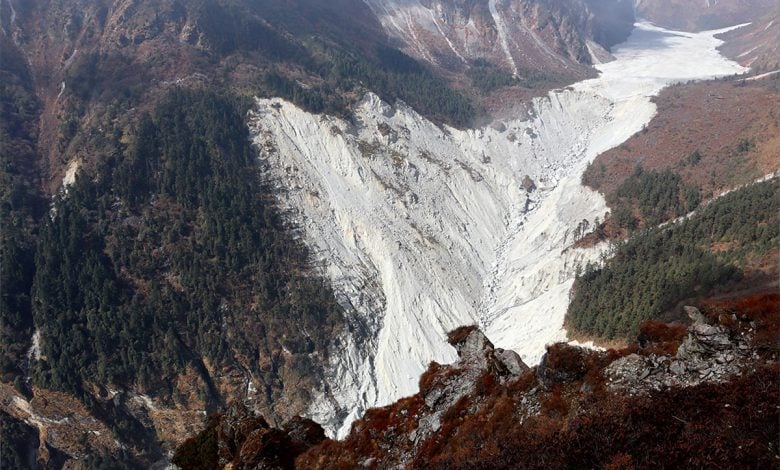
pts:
[709, 353]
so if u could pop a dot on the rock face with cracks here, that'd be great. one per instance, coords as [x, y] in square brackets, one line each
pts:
[709, 353]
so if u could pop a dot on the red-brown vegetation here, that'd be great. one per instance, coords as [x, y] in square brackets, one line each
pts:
[661, 338]
[740, 148]
[429, 376]
[460, 334]
[732, 424]
[562, 415]
[759, 313]
[565, 362]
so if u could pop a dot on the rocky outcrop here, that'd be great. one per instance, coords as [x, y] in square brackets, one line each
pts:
[709, 353]
[443, 387]
[489, 409]
[241, 439]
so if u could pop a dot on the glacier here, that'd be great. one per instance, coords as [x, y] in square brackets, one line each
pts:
[422, 228]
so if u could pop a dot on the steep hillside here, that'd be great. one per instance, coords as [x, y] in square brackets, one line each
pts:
[526, 45]
[726, 247]
[757, 45]
[707, 139]
[165, 284]
[521, 36]
[700, 15]
[21, 203]
[89, 59]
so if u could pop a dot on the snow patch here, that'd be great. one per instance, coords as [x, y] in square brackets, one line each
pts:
[748, 51]
[422, 228]
[145, 401]
[70, 59]
[62, 90]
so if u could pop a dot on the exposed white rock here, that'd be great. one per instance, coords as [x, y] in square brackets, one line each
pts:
[70, 173]
[423, 228]
[34, 353]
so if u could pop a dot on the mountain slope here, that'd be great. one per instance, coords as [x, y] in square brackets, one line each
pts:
[526, 43]
[756, 45]
[700, 15]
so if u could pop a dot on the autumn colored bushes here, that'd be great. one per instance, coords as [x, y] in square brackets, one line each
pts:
[728, 425]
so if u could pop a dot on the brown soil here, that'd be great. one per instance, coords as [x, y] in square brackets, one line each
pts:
[712, 118]
[688, 15]
[757, 45]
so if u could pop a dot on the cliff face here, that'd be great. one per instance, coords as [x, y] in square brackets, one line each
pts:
[521, 36]
[699, 395]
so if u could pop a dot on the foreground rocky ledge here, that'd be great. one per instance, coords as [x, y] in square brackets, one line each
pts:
[700, 395]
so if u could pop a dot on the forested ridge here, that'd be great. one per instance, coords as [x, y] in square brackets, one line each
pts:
[656, 268]
[650, 197]
[390, 73]
[166, 268]
[169, 256]
[21, 205]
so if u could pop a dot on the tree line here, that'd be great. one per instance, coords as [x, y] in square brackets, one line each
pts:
[656, 268]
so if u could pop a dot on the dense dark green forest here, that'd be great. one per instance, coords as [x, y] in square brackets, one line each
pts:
[169, 252]
[18, 443]
[486, 77]
[647, 197]
[20, 206]
[390, 73]
[657, 268]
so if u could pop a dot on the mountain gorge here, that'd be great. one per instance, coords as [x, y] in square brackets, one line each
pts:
[394, 205]
[286, 206]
